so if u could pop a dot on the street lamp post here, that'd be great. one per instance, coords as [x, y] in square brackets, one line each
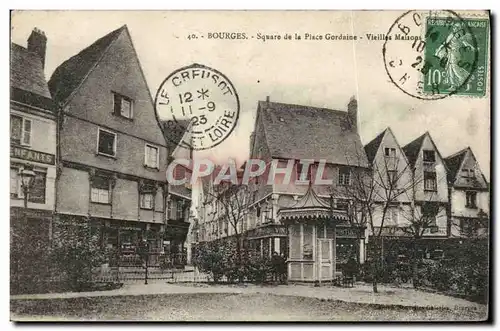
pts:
[27, 175]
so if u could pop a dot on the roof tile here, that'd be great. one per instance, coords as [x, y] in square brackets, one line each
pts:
[26, 74]
[70, 74]
[302, 132]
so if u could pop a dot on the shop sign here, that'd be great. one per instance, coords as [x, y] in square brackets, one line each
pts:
[347, 232]
[435, 231]
[32, 155]
[269, 231]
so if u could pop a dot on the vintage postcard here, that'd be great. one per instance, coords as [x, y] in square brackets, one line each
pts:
[250, 165]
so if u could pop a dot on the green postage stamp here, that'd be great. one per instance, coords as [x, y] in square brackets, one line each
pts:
[456, 55]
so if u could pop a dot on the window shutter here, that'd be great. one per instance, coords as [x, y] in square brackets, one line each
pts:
[14, 183]
[16, 124]
[173, 209]
[27, 132]
[117, 104]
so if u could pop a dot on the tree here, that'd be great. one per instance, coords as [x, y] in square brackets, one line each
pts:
[421, 217]
[372, 193]
[231, 202]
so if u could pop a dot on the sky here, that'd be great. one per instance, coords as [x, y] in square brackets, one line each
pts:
[320, 73]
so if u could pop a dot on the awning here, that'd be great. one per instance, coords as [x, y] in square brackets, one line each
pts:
[176, 230]
[311, 206]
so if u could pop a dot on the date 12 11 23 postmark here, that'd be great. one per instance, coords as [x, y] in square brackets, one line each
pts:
[456, 54]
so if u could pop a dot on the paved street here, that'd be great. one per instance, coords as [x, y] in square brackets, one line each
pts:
[202, 302]
[222, 307]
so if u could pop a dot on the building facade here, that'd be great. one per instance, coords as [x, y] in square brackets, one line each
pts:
[112, 153]
[430, 184]
[179, 219]
[32, 139]
[306, 221]
[469, 196]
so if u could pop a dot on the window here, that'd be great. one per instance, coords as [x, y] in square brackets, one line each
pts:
[106, 143]
[99, 191]
[151, 157]
[390, 152]
[299, 168]
[344, 176]
[175, 209]
[430, 183]
[429, 213]
[122, 106]
[37, 189]
[147, 199]
[20, 130]
[471, 199]
[392, 177]
[468, 173]
[392, 216]
[180, 210]
[14, 183]
[429, 156]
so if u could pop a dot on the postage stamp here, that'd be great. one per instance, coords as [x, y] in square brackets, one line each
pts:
[200, 102]
[456, 50]
[352, 164]
[431, 55]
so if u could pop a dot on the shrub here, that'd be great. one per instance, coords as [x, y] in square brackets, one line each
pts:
[210, 259]
[75, 252]
[220, 258]
[463, 272]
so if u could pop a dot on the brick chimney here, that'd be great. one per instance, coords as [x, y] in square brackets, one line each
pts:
[352, 113]
[37, 43]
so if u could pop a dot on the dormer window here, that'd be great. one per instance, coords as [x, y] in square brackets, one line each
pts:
[344, 176]
[123, 106]
[299, 168]
[390, 152]
[430, 156]
[468, 173]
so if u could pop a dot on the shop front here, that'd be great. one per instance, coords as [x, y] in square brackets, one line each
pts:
[269, 238]
[174, 242]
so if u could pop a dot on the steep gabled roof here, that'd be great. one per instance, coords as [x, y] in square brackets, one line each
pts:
[372, 147]
[174, 133]
[310, 200]
[72, 72]
[302, 132]
[453, 162]
[413, 148]
[27, 79]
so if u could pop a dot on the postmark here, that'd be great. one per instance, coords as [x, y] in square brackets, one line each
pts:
[199, 103]
[431, 55]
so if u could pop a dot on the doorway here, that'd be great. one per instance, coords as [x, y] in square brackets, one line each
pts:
[325, 260]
